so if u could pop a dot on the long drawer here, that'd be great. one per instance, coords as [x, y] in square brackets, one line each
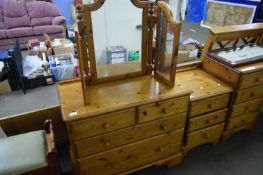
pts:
[246, 107]
[249, 94]
[208, 105]
[251, 80]
[131, 156]
[162, 109]
[206, 120]
[128, 135]
[242, 120]
[102, 124]
[203, 136]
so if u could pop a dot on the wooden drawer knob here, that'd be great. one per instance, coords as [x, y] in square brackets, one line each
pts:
[216, 117]
[161, 149]
[257, 80]
[209, 121]
[243, 121]
[252, 94]
[107, 143]
[144, 112]
[206, 136]
[106, 125]
[163, 127]
[164, 111]
[210, 106]
[247, 108]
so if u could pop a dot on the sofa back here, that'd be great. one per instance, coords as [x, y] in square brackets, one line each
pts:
[42, 13]
[2, 24]
[15, 14]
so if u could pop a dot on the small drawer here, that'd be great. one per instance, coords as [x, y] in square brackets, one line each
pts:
[249, 94]
[206, 135]
[102, 124]
[251, 80]
[206, 120]
[125, 158]
[246, 107]
[208, 105]
[128, 135]
[242, 120]
[162, 109]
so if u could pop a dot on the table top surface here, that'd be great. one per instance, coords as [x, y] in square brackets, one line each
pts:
[122, 94]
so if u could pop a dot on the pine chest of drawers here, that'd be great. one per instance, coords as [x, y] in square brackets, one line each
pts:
[247, 98]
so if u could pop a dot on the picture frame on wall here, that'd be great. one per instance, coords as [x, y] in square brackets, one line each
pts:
[221, 13]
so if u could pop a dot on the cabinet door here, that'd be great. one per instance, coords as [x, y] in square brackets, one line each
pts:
[167, 43]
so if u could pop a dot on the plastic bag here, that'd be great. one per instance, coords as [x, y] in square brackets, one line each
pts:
[31, 64]
[196, 10]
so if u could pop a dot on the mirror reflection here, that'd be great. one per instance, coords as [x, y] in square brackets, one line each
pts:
[117, 38]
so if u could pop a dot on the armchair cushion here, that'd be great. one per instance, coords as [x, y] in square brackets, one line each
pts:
[19, 32]
[52, 29]
[22, 153]
[3, 34]
[41, 21]
[59, 20]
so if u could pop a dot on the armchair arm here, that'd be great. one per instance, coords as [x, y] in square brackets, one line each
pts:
[59, 20]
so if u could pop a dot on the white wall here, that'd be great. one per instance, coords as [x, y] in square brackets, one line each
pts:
[115, 24]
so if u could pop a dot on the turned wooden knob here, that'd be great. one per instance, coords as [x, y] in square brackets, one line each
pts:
[247, 108]
[163, 127]
[206, 136]
[210, 106]
[215, 117]
[209, 121]
[252, 94]
[144, 112]
[161, 149]
[107, 143]
[164, 111]
[243, 121]
[257, 80]
[106, 125]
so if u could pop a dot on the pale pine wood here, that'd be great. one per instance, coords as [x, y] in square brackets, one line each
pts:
[211, 134]
[242, 120]
[207, 120]
[102, 124]
[249, 94]
[128, 135]
[250, 80]
[162, 109]
[242, 108]
[229, 133]
[133, 155]
[208, 105]
[122, 94]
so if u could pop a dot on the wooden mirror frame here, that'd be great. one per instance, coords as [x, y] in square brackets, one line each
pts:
[176, 26]
[93, 71]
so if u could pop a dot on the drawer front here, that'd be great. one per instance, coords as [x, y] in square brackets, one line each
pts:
[208, 105]
[102, 124]
[206, 135]
[249, 94]
[246, 107]
[128, 135]
[251, 80]
[206, 120]
[162, 109]
[242, 120]
[131, 156]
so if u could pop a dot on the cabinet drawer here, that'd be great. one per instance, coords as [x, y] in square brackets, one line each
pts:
[134, 155]
[162, 109]
[128, 135]
[249, 94]
[206, 135]
[102, 124]
[206, 120]
[251, 80]
[246, 107]
[242, 120]
[208, 105]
